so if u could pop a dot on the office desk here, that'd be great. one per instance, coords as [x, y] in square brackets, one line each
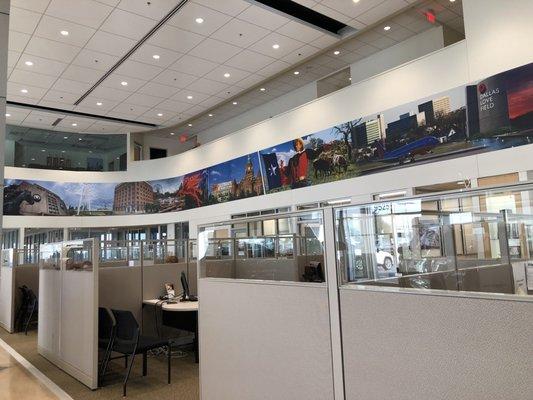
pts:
[182, 315]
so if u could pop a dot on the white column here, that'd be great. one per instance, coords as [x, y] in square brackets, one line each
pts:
[4, 30]
[65, 234]
[20, 240]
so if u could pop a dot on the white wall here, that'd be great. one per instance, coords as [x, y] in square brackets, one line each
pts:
[410, 49]
[4, 29]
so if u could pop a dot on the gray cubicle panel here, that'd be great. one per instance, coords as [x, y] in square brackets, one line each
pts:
[120, 287]
[264, 340]
[437, 346]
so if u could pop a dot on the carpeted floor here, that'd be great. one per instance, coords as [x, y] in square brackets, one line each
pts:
[184, 384]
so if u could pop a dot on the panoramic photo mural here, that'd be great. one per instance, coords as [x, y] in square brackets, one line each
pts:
[493, 114]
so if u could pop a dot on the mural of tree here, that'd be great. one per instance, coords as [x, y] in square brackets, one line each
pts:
[345, 130]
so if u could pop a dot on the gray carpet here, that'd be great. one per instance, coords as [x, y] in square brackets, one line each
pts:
[184, 384]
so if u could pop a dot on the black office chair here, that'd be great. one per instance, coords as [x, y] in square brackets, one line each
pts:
[31, 310]
[106, 336]
[129, 342]
[22, 310]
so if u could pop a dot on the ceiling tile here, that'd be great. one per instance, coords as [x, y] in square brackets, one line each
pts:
[240, 33]
[13, 59]
[286, 45]
[158, 90]
[146, 52]
[299, 31]
[90, 103]
[230, 7]
[86, 12]
[75, 87]
[142, 99]
[18, 41]
[41, 119]
[81, 74]
[14, 89]
[95, 60]
[50, 28]
[21, 20]
[115, 80]
[103, 93]
[274, 68]
[381, 11]
[207, 86]
[31, 78]
[182, 96]
[173, 106]
[186, 19]
[212, 101]
[265, 18]
[127, 24]
[60, 97]
[52, 50]
[215, 50]
[129, 109]
[324, 41]
[235, 75]
[300, 54]
[250, 81]
[139, 70]
[154, 9]
[175, 39]
[173, 78]
[193, 65]
[110, 44]
[249, 61]
[33, 5]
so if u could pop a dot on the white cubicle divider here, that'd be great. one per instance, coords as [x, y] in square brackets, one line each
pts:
[7, 291]
[264, 328]
[68, 308]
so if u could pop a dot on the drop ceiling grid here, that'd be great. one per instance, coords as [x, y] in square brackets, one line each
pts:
[64, 78]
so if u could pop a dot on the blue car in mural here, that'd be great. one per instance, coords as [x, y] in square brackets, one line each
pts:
[410, 150]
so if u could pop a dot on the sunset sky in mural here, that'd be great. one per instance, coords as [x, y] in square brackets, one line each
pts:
[520, 92]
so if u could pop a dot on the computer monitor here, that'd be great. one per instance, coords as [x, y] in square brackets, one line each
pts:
[185, 285]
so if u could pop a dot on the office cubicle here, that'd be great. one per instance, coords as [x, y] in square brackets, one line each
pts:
[451, 314]
[68, 308]
[264, 318]
[19, 267]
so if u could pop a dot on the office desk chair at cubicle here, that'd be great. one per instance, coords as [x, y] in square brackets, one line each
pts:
[129, 342]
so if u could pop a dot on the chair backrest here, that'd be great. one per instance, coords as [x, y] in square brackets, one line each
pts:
[106, 323]
[32, 298]
[127, 326]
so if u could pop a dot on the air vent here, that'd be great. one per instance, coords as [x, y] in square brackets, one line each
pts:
[57, 121]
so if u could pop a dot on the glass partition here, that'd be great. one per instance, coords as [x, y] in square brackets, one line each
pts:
[78, 255]
[479, 241]
[286, 247]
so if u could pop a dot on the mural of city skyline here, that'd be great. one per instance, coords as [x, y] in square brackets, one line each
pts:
[492, 114]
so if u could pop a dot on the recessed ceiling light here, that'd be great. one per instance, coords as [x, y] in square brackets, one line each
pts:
[80, 139]
[209, 115]
[64, 33]
[172, 133]
[33, 159]
[74, 124]
[189, 124]
[29, 63]
[63, 151]
[227, 75]
[124, 83]
[159, 114]
[24, 90]
[262, 89]
[296, 72]
[234, 103]
[336, 52]
[189, 97]
[43, 150]
[275, 46]
[8, 115]
[155, 56]
[355, 1]
[452, 1]
[387, 28]
[99, 103]
[65, 137]
[199, 20]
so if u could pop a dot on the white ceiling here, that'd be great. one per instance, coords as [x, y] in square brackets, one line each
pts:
[236, 37]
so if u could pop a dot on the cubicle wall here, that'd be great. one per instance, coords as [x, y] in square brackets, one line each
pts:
[264, 326]
[68, 302]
